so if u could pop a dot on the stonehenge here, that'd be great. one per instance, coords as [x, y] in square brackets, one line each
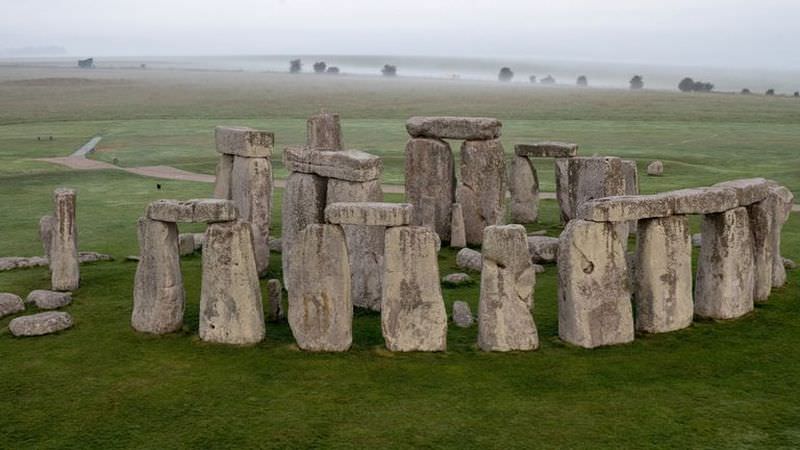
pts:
[524, 180]
[40, 324]
[60, 238]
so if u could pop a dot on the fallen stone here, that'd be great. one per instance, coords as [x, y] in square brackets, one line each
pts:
[697, 240]
[192, 211]
[251, 191]
[49, 299]
[458, 238]
[369, 213]
[64, 265]
[90, 257]
[463, 128]
[430, 172]
[47, 227]
[223, 179]
[244, 142]
[40, 324]
[538, 268]
[10, 304]
[748, 191]
[16, 262]
[546, 150]
[655, 169]
[703, 200]
[482, 188]
[625, 208]
[324, 132]
[788, 264]
[133, 258]
[468, 258]
[186, 243]
[303, 205]
[349, 165]
[543, 249]
[457, 278]
[524, 187]
[275, 301]
[462, 315]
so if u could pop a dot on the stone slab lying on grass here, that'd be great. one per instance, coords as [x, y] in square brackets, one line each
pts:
[243, 141]
[48, 299]
[445, 127]
[748, 191]
[349, 165]
[547, 150]
[192, 211]
[40, 324]
[369, 213]
[10, 304]
[457, 278]
[543, 249]
[26, 262]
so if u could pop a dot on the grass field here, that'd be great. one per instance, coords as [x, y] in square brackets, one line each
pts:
[100, 385]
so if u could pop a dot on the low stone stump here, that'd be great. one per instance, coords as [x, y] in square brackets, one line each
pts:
[505, 322]
[348, 165]
[303, 205]
[655, 168]
[594, 300]
[482, 188]
[243, 142]
[524, 187]
[462, 315]
[462, 128]
[369, 213]
[251, 192]
[10, 304]
[192, 211]
[725, 276]
[324, 132]
[430, 172]
[64, 266]
[468, 258]
[458, 237]
[231, 311]
[40, 324]
[663, 275]
[43, 299]
[413, 316]
[320, 309]
[546, 150]
[543, 249]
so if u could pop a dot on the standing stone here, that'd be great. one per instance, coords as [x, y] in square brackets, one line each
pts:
[364, 243]
[462, 315]
[592, 178]
[303, 204]
[251, 191]
[505, 322]
[430, 171]
[186, 244]
[324, 132]
[47, 227]
[482, 188]
[543, 249]
[223, 179]
[10, 304]
[458, 237]
[413, 316]
[566, 211]
[663, 275]
[594, 300]
[320, 310]
[655, 169]
[274, 301]
[631, 175]
[64, 265]
[761, 226]
[158, 295]
[784, 200]
[231, 311]
[524, 186]
[724, 286]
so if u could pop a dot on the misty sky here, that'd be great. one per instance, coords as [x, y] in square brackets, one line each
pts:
[741, 33]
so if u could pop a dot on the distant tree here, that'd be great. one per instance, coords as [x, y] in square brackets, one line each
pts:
[87, 63]
[505, 74]
[637, 82]
[686, 85]
[532, 78]
[333, 70]
[548, 80]
[770, 92]
[389, 70]
[746, 91]
[320, 66]
[797, 93]
[583, 81]
[295, 66]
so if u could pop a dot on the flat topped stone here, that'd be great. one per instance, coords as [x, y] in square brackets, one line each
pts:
[547, 150]
[243, 141]
[370, 213]
[199, 210]
[703, 200]
[748, 191]
[623, 208]
[466, 128]
[40, 324]
[49, 299]
[349, 165]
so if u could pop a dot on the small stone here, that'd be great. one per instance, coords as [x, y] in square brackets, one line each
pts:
[49, 299]
[655, 169]
[276, 245]
[186, 243]
[40, 324]
[538, 233]
[349, 165]
[369, 213]
[748, 191]
[468, 258]
[457, 278]
[543, 249]
[10, 304]
[697, 240]
[458, 238]
[199, 241]
[462, 128]
[275, 301]
[133, 258]
[324, 132]
[788, 264]
[244, 142]
[546, 150]
[462, 315]
[588, 178]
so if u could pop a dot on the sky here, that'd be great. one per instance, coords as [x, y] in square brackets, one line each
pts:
[723, 33]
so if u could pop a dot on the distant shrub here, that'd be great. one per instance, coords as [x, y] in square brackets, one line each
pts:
[320, 66]
[532, 78]
[505, 74]
[686, 85]
[582, 81]
[797, 93]
[295, 66]
[87, 63]
[637, 82]
[333, 70]
[548, 80]
[746, 91]
[389, 70]
[770, 92]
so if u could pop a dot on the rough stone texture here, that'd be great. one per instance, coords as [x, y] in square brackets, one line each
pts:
[369, 213]
[625, 208]
[158, 295]
[482, 188]
[761, 226]
[426, 213]
[784, 199]
[350, 165]
[663, 275]
[190, 211]
[64, 265]
[697, 240]
[789, 264]
[413, 316]
[231, 311]
[561, 166]
[458, 237]
[591, 178]
[199, 240]
[543, 249]
[10, 304]
[186, 244]
[430, 171]
[19, 262]
[748, 191]
[546, 150]
[655, 169]
[275, 301]
[538, 268]
[463, 128]
[324, 132]
[48, 299]
[457, 278]
[303, 204]
[223, 180]
[320, 310]
[524, 187]
[505, 322]
[703, 200]
[594, 300]
[724, 285]
[631, 174]
[40, 324]
[468, 258]
[275, 244]
[47, 227]
[243, 141]
[462, 315]
[251, 192]
[364, 243]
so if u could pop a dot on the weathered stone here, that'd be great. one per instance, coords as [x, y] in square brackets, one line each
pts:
[191, 211]
[505, 322]
[464, 128]
[724, 285]
[275, 301]
[566, 212]
[524, 187]
[413, 316]
[303, 205]
[663, 275]
[90, 257]
[543, 249]
[48, 299]
[369, 213]
[64, 265]
[655, 168]
[324, 132]
[703, 200]
[458, 237]
[223, 179]
[430, 171]
[590, 178]
[697, 240]
[244, 142]
[18, 262]
[482, 188]
[10, 304]
[231, 311]
[546, 150]
[625, 208]
[784, 200]
[538, 268]
[199, 239]
[594, 300]
[251, 192]
[748, 191]
[158, 295]
[427, 213]
[276, 244]
[462, 315]
[186, 243]
[40, 324]
[47, 227]
[320, 309]
[350, 165]
[468, 258]
[761, 216]
[631, 174]
[457, 278]
[789, 264]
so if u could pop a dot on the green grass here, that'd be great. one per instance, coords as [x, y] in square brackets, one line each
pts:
[100, 385]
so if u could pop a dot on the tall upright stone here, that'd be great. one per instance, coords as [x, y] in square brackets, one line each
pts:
[524, 186]
[231, 311]
[505, 322]
[303, 205]
[64, 265]
[591, 178]
[430, 172]
[324, 132]
[158, 295]
[566, 211]
[251, 191]
[762, 216]
[783, 200]
[482, 188]
[413, 316]
[47, 226]
[458, 237]
[594, 299]
[320, 310]
[223, 178]
[725, 276]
